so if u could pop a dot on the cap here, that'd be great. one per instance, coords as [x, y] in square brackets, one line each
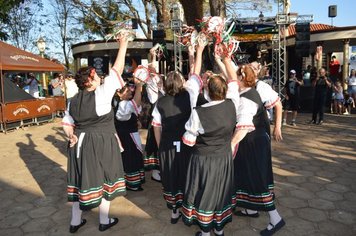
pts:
[293, 72]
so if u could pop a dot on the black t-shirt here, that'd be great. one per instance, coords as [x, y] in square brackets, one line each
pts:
[292, 87]
[321, 86]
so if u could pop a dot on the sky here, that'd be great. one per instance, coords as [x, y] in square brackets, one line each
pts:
[346, 12]
[319, 9]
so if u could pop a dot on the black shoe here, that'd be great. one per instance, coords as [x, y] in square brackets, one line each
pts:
[175, 220]
[312, 122]
[134, 189]
[198, 234]
[103, 227]
[274, 229]
[320, 122]
[157, 180]
[74, 228]
[245, 214]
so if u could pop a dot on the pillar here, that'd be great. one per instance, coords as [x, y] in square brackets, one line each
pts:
[319, 55]
[345, 66]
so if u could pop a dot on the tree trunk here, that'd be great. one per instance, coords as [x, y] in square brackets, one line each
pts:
[193, 10]
[217, 8]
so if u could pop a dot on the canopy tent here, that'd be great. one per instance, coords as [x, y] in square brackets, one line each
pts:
[18, 107]
[14, 59]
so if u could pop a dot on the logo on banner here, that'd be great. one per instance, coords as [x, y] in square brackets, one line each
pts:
[43, 107]
[20, 110]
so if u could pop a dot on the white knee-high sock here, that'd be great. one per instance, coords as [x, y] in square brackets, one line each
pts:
[220, 232]
[205, 234]
[250, 212]
[274, 218]
[104, 211]
[175, 214]
[76, 214]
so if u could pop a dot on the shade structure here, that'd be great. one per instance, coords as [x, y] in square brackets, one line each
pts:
[15, 59]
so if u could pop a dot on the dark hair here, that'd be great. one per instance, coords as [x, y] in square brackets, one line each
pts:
[217, 88]
[83, 75]
[248, 75]
[173, 84]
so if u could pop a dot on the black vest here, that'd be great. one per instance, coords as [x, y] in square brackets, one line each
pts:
[218, 122]
[175, 112]
[260, 120]
[83, 110]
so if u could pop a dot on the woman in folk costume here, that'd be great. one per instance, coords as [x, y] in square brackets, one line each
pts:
[95, 172]
[253, 164]
[209, 186]
[154, 89]
[170, 114]
[126, 123]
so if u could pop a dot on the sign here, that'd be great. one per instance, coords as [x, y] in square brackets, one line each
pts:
[101, 64]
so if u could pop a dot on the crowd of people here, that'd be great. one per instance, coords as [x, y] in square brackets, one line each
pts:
[209, 141]
[328, 91]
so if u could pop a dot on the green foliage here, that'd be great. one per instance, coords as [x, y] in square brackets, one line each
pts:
[5, 7]
[100, 16]
[21, 22]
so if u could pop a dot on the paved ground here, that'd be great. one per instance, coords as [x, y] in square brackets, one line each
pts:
[315, 172]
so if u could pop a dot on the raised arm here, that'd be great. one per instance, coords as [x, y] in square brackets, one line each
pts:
[120, 58]
[138, 91]
[221, 66]
[230, 70]
[199, 58]
[191, 58]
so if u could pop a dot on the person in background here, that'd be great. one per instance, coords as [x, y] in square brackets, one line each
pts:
[57, 84]
[127, 111]
[334, 67]
[351, 84]
[32, 82]
[339, 98]
[307, 76]
[71, 87]
[349, 104]
[292, 97]
[267, 78]
[321, 86]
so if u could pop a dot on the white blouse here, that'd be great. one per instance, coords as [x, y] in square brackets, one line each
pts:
[193, 86]
[194, 127]
[246, 111]
[103, 96]
[268, 96]
[352, 81]
[126, 108]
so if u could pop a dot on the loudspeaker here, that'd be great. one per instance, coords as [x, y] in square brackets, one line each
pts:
[134, 23]
[302, 32]
[302, 48]
[302, 39]
[158, 34]
[333, 11]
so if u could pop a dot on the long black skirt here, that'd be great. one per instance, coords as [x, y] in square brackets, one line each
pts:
[173, 174]
[95, 169]
[208, 192]
[132, 160]
[253, 173]
[151, 159]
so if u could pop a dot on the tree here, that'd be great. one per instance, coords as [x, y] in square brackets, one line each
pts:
[5, 7]
[195, 9]
[101, 16]
[22, 22]
[63, 23]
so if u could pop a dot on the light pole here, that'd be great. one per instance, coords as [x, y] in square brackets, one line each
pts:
[41, 45]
